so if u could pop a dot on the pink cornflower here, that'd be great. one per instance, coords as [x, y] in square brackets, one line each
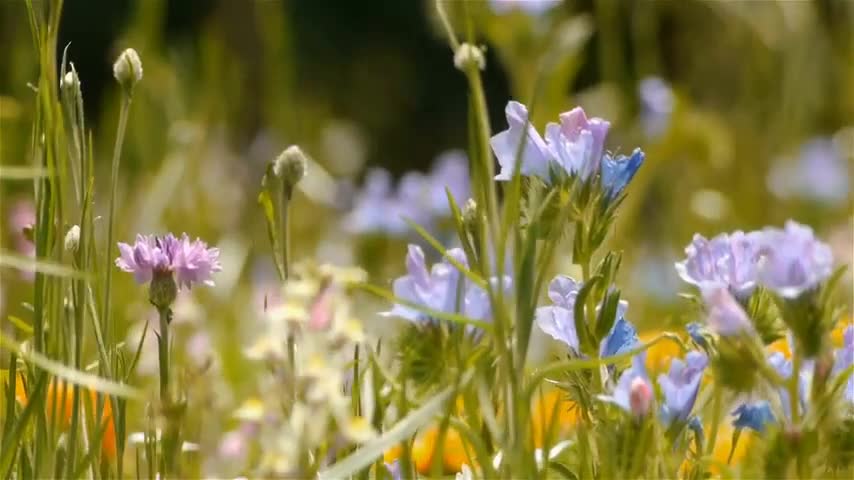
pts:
[189, 261]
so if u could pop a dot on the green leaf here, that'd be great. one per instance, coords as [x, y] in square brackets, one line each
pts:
[581, 328]
[8, 172]
[266, 203]
[370, 451]
[92, 382]
[607, 314]
[21, 325]
[7, 456]
[29, 264]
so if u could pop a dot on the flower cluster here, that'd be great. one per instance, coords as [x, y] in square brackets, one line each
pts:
[574, 147]
[788, 261]
[381, 208]
[308, 344]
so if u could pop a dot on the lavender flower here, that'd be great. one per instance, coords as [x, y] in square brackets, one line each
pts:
[577, 144]
[439, 289]
[753, 415]
[618, 172]
[382, 208]
[725, 316]
[656, 99]
[190, 261]
[558, 320]
[844, 359]
[680, 386]
[535, 155]
[633, 392]
[819, 173]
[728, 260]
[794, 261]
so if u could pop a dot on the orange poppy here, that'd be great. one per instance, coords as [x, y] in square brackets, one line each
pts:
[64, 392]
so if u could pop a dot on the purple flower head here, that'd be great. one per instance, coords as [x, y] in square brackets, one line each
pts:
[656, 99]
[439, 289]
[535, 155]
[844, 359]
[618, 172]
[726, 317]
[728, 260]
[753, 416]
[189, 261]
[558, 320]
[793, 260]
[531, 7]
[819, 173]
[633, 392]
[680, 386]
[577, 144]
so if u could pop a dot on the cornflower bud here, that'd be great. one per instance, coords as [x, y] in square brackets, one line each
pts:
[468, 55]
[72, 239]
[290, 166]
[128, 69]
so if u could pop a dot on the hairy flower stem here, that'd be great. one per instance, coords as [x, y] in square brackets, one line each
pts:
[285, 225]
[114, 183]
[173, 424]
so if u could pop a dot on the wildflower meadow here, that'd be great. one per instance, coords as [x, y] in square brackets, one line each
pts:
[470, 239]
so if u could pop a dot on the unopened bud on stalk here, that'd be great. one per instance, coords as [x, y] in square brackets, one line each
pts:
[290, 166]
[468, 55]
[163, 290]
[72, 239]
[640, 397]
[469, 214]
[128, 69]
[70, 83]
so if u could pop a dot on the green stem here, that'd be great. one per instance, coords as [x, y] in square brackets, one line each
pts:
[163, 350]
[717, 412]
[793, 387]
[285, 225]
[114, 182]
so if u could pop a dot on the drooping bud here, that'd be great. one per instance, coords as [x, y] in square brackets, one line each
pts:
[128, 69]
[290, 166]
[640, 397]
[72, 239]
[468, 56]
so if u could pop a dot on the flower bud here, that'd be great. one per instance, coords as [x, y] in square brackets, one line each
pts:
[640, 397]
[72, 239]
[290, 166]
[163, 290]
[467, 56]
[128, 69]
[469, 214]
[70, 83]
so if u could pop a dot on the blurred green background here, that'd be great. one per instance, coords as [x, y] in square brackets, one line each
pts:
[742, 88]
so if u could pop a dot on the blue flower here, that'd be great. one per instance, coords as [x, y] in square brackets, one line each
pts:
[633, 392]
[695, 331]
[622, 337]
[820, 173]
[535, 155]
[726, 317]
[439, 289]
[558, 320]
[794, 260]
[680, 386]
[728, 259]
[577, 144]
[753, 416]
[657, 103]
[618, 172]
[531, 7]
